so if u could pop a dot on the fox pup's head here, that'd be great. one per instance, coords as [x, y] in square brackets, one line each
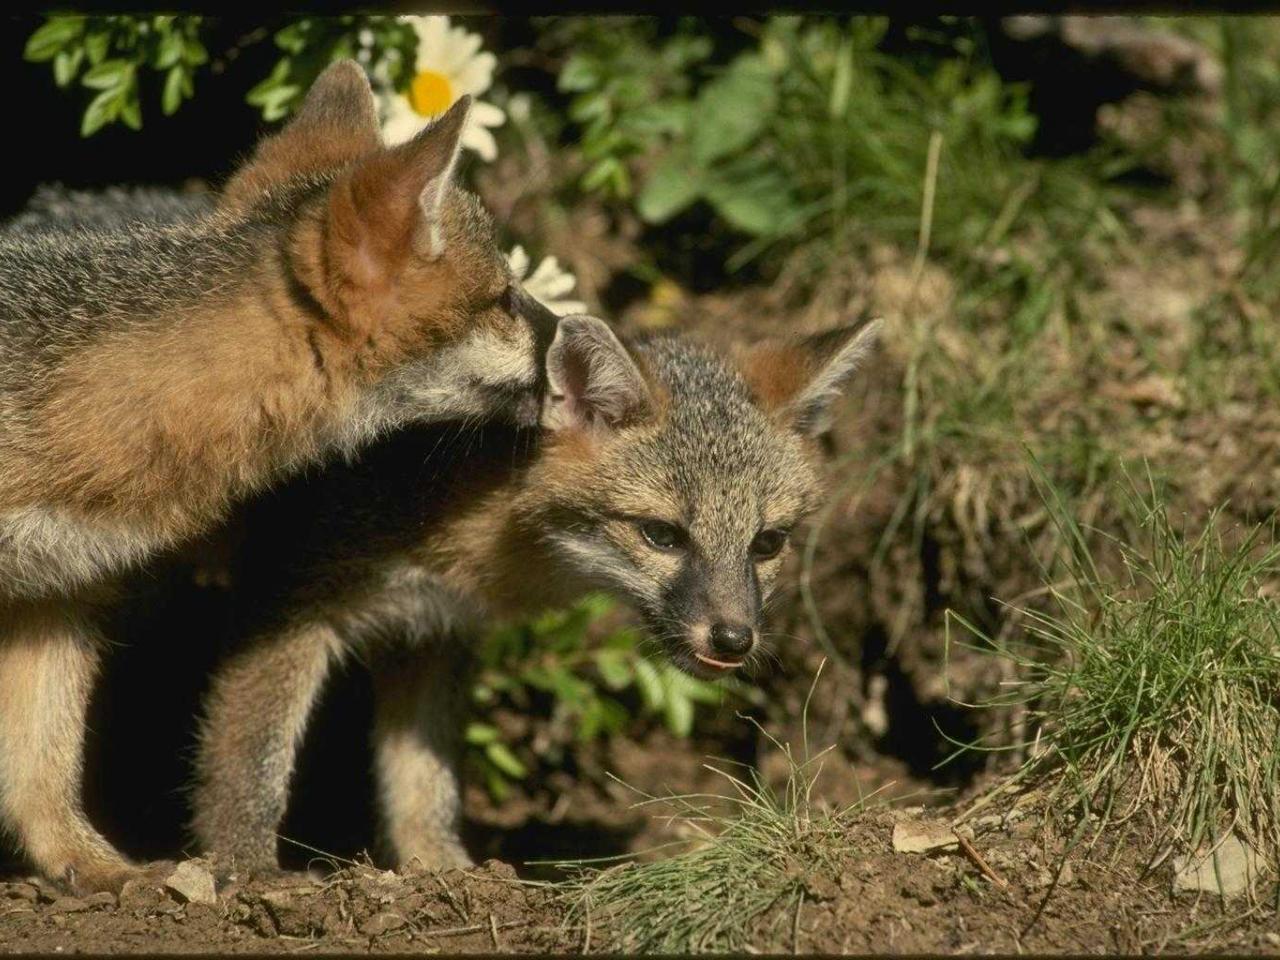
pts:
[391, 257]
[673, 476]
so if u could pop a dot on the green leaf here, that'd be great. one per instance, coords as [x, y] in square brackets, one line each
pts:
[678, 713]
[293, 38]
[481, 734]
[731, 110]
[578, 74]
[56, 33]
[501, 757]
[665, 117]
[603, 172]
[614, 667]
[66, 64]
[171, 98]
[588, 107]
[169, 51]
[759, 205]
[96, 46]
[102, 109]
[194, 53]
[652, 689]
[108, 75]
[131, 113]
[496, 784]
[842, 81]
[674, 184]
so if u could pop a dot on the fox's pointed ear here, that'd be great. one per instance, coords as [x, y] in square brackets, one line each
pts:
[592, 381]
[799, 380]
[441, 142]
[393, 203]
[336, 123]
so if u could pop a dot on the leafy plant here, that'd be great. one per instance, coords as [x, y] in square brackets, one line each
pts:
[311, 43]
[585, 688]
[629, 89]
[111, 54]
[107, 54]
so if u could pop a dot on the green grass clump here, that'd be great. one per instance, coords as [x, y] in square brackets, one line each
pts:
[757, 852]
[1157, 692]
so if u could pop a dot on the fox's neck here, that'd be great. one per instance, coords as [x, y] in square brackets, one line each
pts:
[500, 554]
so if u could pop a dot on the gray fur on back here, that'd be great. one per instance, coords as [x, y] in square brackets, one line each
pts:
[54, 207]
[78, 266]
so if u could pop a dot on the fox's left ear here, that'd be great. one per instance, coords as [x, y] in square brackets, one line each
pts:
[592, 380]
[336, 123]
[799, 380]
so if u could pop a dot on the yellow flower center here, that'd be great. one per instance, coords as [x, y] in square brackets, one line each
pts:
[430, 93]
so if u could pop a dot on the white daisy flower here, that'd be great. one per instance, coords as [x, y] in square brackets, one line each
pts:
[547, 283]
[449, 64]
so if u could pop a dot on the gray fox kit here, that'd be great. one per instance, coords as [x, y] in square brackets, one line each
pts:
[664, 472]
[153, 372]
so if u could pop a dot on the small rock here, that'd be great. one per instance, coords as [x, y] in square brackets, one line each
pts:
[103, 898]
[1230, 870]
[381, 923]
[499, 869]
[19, 891]
[291, 911]
[1272, 938]
[68, 905]
[922, 836]
[193, 883]
[141, 895]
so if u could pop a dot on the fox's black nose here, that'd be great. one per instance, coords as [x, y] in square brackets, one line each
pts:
[731, 640]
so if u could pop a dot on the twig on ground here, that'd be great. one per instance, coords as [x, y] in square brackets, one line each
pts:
[981, 864]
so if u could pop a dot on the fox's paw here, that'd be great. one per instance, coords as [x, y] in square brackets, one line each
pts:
[111, 878]
[434, 857]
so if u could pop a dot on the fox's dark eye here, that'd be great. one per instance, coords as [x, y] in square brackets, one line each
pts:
[768, 544]
[661, 535]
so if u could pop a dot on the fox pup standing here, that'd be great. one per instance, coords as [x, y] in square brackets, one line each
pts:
[664, 473]
[151, 375]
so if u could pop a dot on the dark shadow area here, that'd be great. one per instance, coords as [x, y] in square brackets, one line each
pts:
[204, 139]
[921, 734]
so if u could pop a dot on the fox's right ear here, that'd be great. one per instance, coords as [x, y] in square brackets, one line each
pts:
[592, 381]
[799, 380]
[392, 203]
[336, 123]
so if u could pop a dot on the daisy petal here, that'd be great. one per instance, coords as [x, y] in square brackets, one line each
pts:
[462, 47]
[562, 308]
[476, 75]
[486, 114]
[518, 261]
[401, 121]
[432, 39]
[477, 138]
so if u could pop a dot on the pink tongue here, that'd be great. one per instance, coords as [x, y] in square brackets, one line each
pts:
[718, 663]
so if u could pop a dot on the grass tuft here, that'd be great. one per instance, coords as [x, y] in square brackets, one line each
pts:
[755, 854]
[1157, 692]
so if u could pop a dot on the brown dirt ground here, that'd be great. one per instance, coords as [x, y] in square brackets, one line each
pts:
[877, 901]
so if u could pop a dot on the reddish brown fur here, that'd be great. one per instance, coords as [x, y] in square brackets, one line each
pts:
[776, 372]
[343, 128]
